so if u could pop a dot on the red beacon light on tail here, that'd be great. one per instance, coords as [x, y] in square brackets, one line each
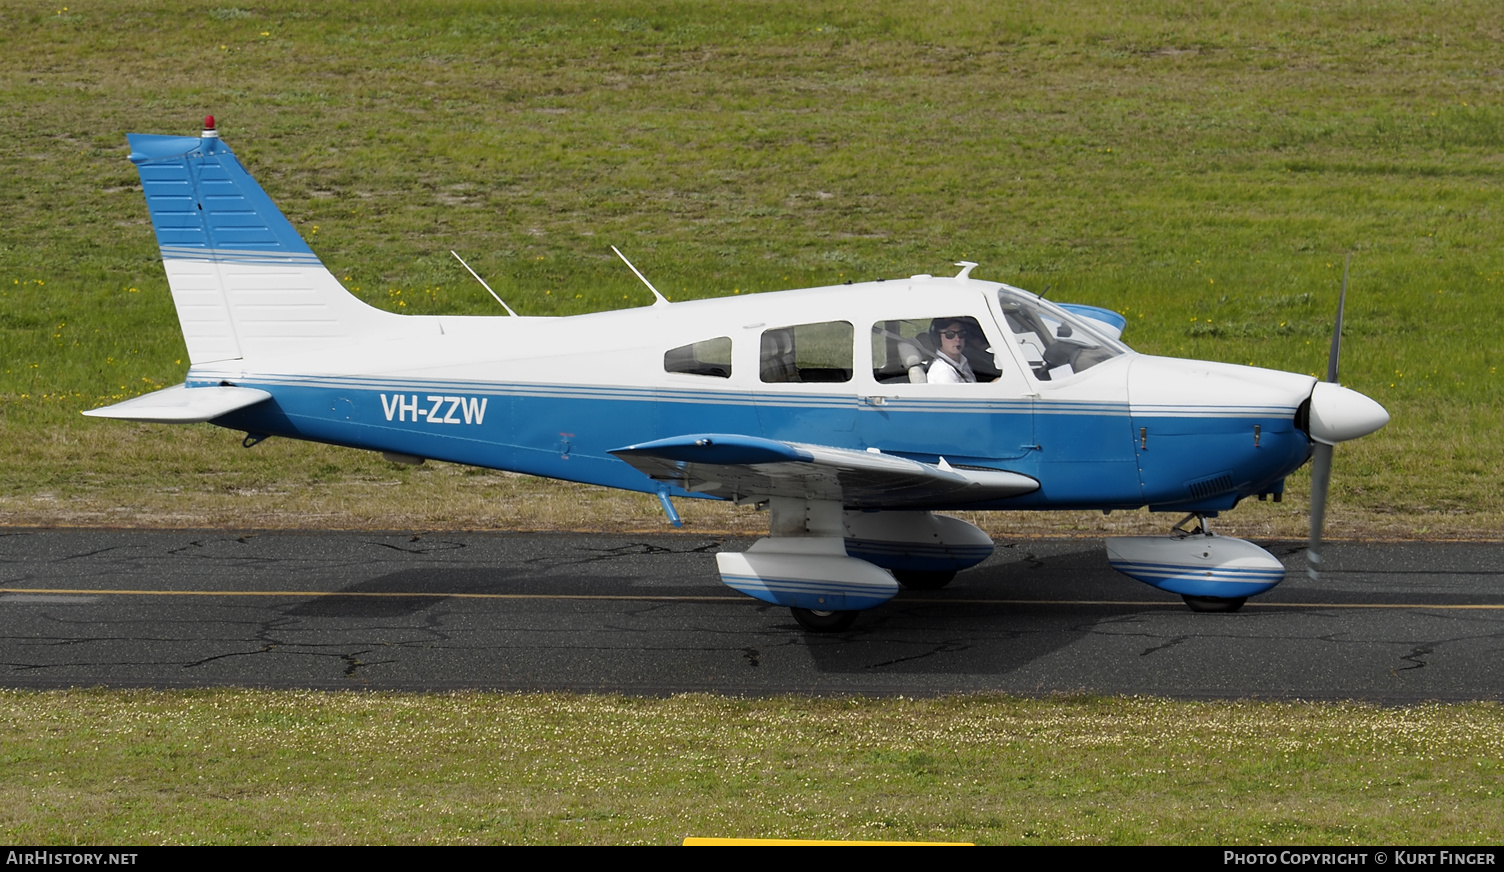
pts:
[209, 131]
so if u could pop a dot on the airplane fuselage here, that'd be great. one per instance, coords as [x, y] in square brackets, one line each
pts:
[553, 397]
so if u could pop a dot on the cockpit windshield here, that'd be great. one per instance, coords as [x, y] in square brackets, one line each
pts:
[1056, 343]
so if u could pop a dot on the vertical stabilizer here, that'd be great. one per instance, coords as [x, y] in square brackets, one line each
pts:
[244, 282]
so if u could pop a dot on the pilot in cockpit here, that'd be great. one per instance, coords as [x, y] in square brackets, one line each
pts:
[950, 366]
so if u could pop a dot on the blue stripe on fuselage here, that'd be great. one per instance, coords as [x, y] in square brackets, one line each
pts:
[1084, 455]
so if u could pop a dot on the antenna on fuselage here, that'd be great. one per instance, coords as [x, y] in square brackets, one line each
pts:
[662, 300]
[483, 283]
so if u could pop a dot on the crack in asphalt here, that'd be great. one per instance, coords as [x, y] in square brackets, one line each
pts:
[267, 635]
[634, 549]
[186, 550]
[1170, 644]
[264, 649]
[947, 647]
[26, 667]
[96, 553]
[639, 548]
[442, 545]
[1414, 658]
[351, 659]
[353, 663]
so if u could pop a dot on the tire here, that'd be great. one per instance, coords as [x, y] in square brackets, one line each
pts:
[914, 579]
[1214, 603]
[824, 622]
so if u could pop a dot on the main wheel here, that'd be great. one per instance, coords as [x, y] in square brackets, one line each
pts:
[1214, 603]
[914, 579]
[823, 622]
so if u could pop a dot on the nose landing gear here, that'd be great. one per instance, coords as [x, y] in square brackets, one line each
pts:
[1211, 573]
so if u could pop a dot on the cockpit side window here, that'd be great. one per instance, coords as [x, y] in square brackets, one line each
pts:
[908, 350]
[1057, 344]
[710, 357]
[820, 352]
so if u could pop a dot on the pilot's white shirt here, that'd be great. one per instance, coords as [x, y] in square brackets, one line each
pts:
[944, 371]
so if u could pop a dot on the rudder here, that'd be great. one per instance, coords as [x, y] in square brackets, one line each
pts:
[244, 282]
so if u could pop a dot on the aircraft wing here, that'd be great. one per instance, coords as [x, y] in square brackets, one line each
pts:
[181, 404]
[738, 467]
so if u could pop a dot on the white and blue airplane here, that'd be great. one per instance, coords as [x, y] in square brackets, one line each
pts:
[852, 413]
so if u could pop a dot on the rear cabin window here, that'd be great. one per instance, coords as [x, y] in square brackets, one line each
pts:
[711, 357]
[807, 353]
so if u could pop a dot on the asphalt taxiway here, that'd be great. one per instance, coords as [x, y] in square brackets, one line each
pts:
[1387, 622]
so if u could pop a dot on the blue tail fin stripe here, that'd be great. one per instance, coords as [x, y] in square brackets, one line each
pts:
[201, 198]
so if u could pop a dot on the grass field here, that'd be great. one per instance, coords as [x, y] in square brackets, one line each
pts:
[237, 766]
[1202, 170]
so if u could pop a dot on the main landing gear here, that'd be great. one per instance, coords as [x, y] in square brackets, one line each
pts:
[819, 621]
[827, 564]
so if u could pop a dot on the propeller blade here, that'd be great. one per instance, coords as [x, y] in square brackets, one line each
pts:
[1321, 453]
[1321, 480]
[1331, 359]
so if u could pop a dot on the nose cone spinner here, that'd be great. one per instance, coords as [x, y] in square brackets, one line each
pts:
[1339, 414]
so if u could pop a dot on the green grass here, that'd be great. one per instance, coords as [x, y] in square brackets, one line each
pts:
[1202, 170]
[237, 766]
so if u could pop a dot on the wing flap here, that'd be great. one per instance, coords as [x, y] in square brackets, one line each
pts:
[740, 467]
[181, 404]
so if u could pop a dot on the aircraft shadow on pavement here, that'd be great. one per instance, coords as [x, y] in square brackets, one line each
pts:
[1019, 606]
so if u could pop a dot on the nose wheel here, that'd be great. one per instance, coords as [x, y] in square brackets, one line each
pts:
[1210, 573]
[1206, 604]
[1226, 605]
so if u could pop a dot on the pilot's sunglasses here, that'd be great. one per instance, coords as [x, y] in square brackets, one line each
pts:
[955, 334]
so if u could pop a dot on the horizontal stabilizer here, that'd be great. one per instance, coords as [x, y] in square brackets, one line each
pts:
[181, 404]
[738, 467]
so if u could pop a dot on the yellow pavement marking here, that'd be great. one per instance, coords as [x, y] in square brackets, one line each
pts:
[364, 593]
[1248, 605]
[705, 840]
[712, 598]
